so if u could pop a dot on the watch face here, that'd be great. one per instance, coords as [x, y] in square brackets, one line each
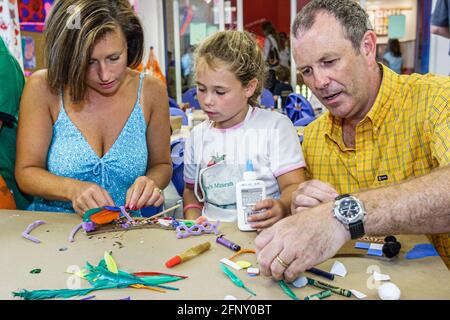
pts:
[349, 210]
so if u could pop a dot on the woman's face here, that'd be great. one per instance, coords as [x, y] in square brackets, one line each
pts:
[108, 63]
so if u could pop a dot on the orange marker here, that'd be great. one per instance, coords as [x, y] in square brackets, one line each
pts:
[188, 254]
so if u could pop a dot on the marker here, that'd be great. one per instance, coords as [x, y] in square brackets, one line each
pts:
[188, 254]
[326, 286]
[227, 243]
[321, 273]
[321, 295]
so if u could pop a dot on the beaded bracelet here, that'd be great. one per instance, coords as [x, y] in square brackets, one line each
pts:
[192, 205]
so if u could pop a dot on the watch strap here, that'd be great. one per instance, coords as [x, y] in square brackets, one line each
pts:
[341, 196]
[356, 229]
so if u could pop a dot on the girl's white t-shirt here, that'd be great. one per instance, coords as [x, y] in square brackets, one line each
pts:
[268, 138]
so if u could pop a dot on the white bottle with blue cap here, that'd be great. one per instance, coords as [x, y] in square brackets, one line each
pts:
[248, 193]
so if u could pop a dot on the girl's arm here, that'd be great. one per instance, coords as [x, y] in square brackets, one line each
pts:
[189, 199]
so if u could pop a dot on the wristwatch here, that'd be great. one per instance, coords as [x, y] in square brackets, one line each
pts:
[350, 211]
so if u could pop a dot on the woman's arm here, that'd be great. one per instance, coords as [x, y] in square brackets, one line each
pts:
[34, 135]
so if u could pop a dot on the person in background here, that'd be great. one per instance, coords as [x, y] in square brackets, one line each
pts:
[383, 145]
[393, 56]
[230, 71]
[271, 53]
[92, 131]
[440, 20]
[282, 87]
[12, 82]
[285, 50]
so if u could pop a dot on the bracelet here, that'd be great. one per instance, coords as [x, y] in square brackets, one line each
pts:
[192, 205]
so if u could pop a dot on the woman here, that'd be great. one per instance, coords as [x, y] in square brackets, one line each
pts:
[92, 131]
[393, 56]
[285, 52]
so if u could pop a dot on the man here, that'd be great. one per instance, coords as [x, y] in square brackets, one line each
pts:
[441, 18]
[381, 129]
[12, 82]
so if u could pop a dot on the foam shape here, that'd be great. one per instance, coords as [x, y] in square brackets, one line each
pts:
[389, 291]
[230, 263]
[362, 245]
[300, 282]
[420, 251]
[339, 269]
[253, 271]
[380, 277]
[358, 294]
[229, 297]
[376, 246]
[374, 252]
[243, 264]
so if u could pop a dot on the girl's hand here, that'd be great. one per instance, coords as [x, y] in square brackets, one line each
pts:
[143, 193]
[273, 212]
[89, 195]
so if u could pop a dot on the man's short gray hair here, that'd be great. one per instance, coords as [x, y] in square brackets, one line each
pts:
[349, 13]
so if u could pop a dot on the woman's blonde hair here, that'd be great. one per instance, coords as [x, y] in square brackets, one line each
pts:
[71, 31]
[241, 54]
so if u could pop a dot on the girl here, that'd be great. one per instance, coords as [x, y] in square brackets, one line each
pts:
[229, 75]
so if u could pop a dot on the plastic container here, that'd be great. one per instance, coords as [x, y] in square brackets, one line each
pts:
[248, 193]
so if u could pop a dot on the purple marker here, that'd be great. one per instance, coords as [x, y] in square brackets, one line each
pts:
[227, 243]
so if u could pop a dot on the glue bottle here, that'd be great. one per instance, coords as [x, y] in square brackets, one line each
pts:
[248, 193]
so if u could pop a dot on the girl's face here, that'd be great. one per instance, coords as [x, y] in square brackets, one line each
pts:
[221, 95]
[108, 63]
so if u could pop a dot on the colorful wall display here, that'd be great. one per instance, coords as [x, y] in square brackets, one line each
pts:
[32, 14]
[9, 27]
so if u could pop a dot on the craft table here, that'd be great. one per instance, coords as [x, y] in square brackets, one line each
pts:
[149, 249]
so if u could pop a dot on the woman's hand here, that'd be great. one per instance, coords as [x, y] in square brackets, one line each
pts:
[89, 195]
[143, 193]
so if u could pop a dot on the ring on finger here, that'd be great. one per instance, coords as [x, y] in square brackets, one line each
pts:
[282, 262]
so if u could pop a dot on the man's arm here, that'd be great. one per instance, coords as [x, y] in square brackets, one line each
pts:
[440, 31]
[417, 206]
[440, 19]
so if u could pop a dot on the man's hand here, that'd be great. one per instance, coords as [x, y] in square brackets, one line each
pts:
[311, 193]
[301, 241]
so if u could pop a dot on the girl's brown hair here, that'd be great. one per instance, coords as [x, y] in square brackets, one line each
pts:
[242, 55]
[71, 31]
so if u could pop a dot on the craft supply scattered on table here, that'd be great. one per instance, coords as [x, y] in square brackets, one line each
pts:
[227, 243]
[188, 254]
[339, 269]
[35, 271]
[287, 290]
[327, 286]
[321, 273]
[101, 278]
[300, 282]
[389, 291]
[319, 296]
[74, 231]
[26, 233]
[238, 282]
[231, 264]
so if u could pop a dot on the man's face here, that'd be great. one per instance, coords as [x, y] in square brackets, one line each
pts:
[332, 69]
